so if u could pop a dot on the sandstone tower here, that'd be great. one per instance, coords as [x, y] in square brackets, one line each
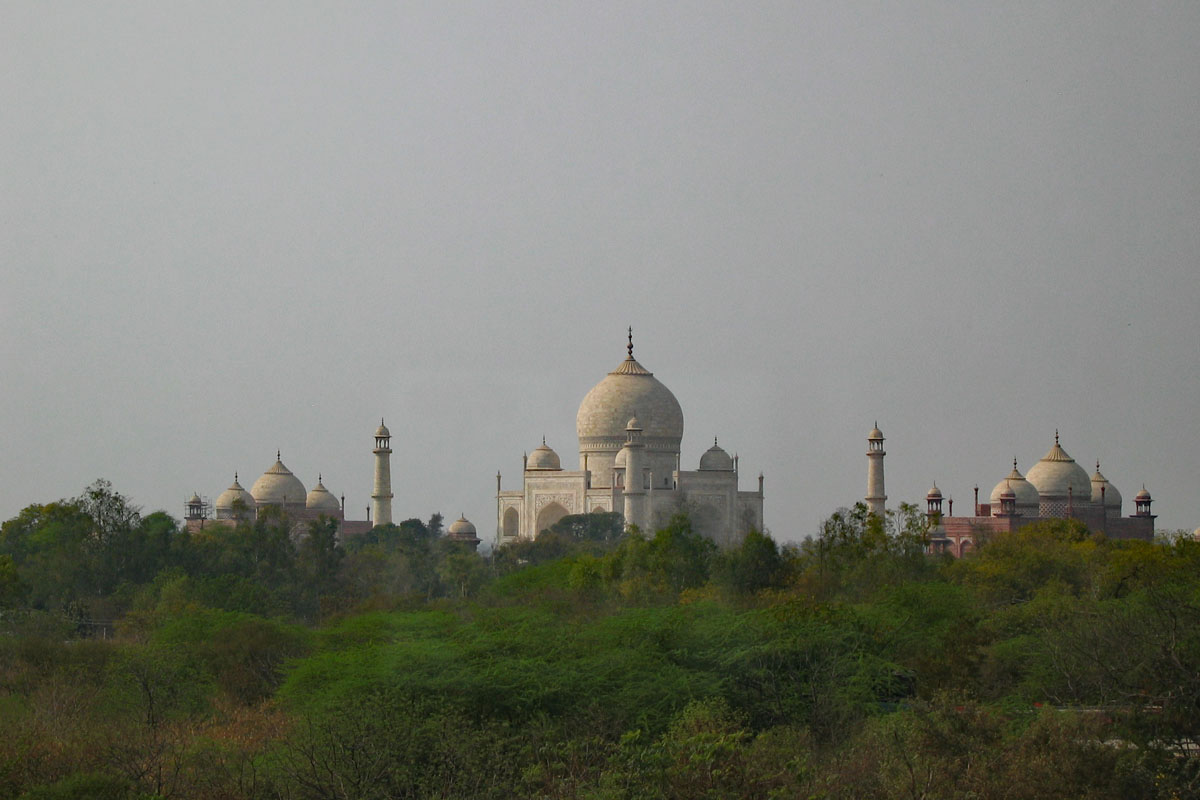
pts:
[876, 499]
[381, 498]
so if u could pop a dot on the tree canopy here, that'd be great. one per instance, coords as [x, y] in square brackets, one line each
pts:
[263, 660]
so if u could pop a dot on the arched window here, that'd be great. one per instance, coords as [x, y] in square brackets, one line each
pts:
[511, 523]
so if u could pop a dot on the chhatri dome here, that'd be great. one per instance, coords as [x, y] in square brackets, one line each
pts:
[715, 458]
[278, 485]
[543, 458]
[629, 391]
[463, 531]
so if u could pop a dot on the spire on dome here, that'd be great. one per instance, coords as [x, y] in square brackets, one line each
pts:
[630, 366]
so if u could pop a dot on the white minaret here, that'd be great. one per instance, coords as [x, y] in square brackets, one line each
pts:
[876, 499]
[635, 493]
[381, 498]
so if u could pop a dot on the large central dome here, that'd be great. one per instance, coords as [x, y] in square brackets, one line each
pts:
[1057, 476]
[629, 390]
[278, 486]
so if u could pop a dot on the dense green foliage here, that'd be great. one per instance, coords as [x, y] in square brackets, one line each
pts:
[264, 661]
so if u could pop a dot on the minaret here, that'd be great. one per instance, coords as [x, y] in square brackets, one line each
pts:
[381, 498]
[876, 499]
[635, 493]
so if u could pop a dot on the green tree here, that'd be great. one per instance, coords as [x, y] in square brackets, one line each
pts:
[755, 564]
[11, 590]
[462, 571]
[598, 526]
[678, 557]
[856, 552]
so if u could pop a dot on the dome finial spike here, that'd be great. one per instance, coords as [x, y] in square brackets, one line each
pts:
[629, 347]
[543, 440]
[277, 456]
[1014, 462]
[714, 441]
[235, 479]
[1056, 435]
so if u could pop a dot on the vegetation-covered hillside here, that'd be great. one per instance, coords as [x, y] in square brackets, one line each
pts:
[137, 660]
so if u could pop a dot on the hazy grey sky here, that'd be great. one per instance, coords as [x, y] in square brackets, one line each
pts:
[227, 228]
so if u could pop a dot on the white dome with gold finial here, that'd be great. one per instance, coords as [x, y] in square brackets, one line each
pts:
[278, 486]
[1026, 494]
[322, 500]
[629, 391]
[1058, 476]
[224, 507]
[716, 459]
[543, 458]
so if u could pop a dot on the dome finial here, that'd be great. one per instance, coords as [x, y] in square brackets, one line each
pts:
[1056, 435]
[629, 347]
[543, 440]
[277, 457]
[235, 476]
[319, 478]
[714, 441]
[1014, 462]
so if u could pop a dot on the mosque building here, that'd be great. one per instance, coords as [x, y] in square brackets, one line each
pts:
[279, 488]
[630, 427]
[1055, 488]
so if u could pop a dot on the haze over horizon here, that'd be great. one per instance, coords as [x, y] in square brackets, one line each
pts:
[235, 228]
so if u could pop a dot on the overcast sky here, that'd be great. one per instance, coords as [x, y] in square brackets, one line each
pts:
[231, 228]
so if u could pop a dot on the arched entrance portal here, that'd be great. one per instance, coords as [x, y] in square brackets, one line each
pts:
[549, 515]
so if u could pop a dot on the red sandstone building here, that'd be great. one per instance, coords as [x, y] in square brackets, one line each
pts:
[1055, 488]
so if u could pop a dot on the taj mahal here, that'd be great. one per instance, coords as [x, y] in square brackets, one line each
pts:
[630, 427]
